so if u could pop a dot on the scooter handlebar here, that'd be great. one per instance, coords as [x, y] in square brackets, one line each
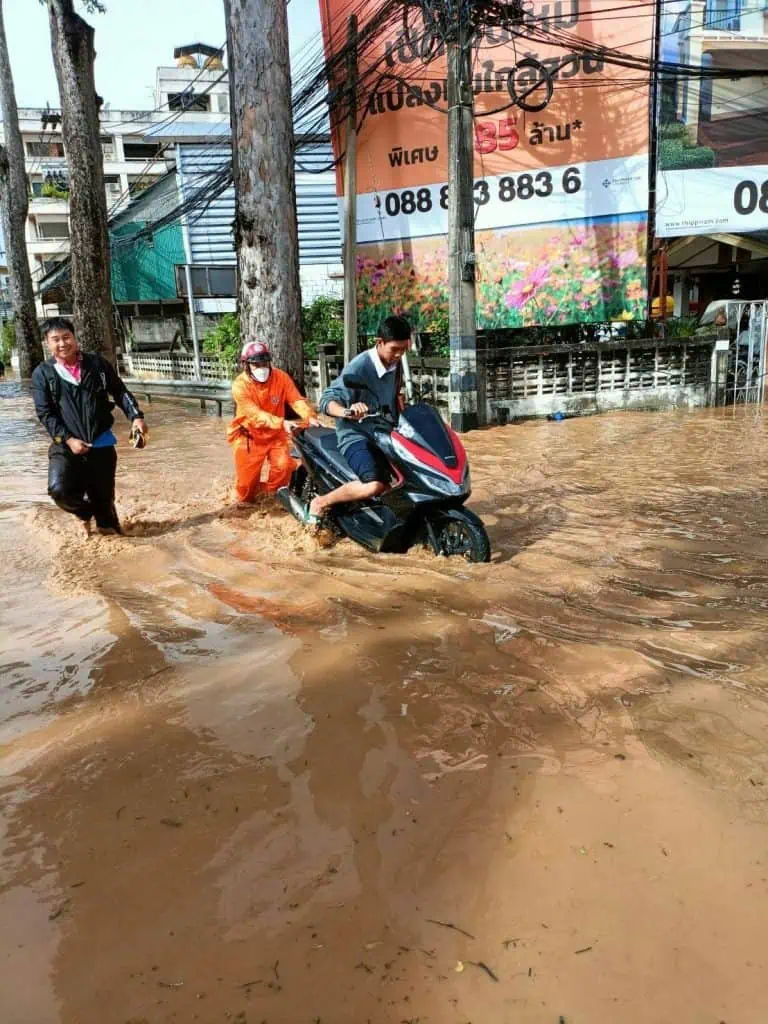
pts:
[374, 415]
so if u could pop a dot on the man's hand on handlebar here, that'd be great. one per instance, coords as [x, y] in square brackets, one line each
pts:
[356, 411]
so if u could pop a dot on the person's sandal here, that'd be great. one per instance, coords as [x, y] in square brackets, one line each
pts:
[311, 520]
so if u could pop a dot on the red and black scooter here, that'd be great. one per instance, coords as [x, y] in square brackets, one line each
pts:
[429, 484]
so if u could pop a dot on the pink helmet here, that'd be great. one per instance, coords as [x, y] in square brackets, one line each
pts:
[255, 352]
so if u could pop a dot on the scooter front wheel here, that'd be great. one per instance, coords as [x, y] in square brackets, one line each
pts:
[460, 532]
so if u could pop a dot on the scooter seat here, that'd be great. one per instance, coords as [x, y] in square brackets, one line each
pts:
[325, 439]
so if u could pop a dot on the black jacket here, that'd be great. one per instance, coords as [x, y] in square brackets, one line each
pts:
[82, 411]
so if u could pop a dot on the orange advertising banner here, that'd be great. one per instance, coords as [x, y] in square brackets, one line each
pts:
[561, 138]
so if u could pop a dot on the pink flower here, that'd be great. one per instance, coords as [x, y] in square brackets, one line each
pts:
[625, 259]
[523, 291]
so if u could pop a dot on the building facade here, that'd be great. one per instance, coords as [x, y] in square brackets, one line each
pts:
[194, 88]
[200, 154]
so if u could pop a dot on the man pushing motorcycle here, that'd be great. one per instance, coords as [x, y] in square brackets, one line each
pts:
[380, 370]
[260, 432]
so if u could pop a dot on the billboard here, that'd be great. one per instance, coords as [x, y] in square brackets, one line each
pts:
[561, 178]
[713, 132]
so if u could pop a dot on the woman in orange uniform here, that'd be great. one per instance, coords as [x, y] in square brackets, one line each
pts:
[259, 432]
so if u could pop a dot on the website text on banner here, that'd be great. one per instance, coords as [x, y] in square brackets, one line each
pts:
[713, 136]
[560, 177]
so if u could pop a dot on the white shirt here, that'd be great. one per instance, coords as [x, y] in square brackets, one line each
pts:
[381, 369]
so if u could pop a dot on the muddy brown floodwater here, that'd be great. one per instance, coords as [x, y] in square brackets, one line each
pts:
[248, 780]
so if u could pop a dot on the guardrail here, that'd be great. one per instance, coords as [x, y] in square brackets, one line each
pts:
[204, 392]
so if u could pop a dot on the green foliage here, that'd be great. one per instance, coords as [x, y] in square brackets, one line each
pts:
[223, 341]
[668, 100]
[51, 191]
[7, 341]
[436, 329]
[681, 327]
[677, 152]
[322, 323]
[675, 130]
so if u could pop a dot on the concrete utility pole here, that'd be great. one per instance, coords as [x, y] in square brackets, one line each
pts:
[463, 395]
[350, 202]
[14, 207]
[188, 270]
[266, 231]
[73, 57]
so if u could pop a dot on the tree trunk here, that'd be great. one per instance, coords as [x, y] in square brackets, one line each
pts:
[73, 57]
[14, 206]
[266, 233]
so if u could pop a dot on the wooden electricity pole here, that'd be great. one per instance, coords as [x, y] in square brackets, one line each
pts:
[14, 207]
[350, 201]
[73, 59]
[463, 395]
[266, 231]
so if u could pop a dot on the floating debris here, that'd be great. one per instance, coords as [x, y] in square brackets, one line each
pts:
[453, 927]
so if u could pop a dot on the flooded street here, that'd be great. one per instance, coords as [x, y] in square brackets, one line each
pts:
[247, 779]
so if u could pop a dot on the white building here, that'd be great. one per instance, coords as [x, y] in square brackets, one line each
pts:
[196, 88]
[726, 114]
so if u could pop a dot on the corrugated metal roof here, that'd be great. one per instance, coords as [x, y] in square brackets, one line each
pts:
[210, 231]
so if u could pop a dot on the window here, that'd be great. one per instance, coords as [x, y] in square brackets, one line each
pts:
[223, 102]
[113, 187]
[221, 281]
[723, 15]
[45, 149]
[208, 282]
[107, 147]
[188, 101]
[52, 229]
[139, 150]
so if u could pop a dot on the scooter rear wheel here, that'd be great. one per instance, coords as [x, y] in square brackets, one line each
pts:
[460, 532]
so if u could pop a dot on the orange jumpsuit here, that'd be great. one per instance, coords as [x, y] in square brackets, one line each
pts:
[257, 433]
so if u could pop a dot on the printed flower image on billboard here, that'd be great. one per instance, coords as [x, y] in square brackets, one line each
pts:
[713, 133]
[566, 272]
[560, 165]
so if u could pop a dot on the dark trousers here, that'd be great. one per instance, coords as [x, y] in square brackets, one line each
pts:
[84, 485]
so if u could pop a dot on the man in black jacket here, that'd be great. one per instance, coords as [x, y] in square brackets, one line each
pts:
[71, 392]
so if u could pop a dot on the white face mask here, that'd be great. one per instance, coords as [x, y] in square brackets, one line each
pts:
[260, 374]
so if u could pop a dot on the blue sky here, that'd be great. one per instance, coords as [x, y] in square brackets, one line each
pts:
[132, 39]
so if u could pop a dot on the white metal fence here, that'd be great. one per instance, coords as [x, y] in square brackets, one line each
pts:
[521, 381]
[174, 367]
